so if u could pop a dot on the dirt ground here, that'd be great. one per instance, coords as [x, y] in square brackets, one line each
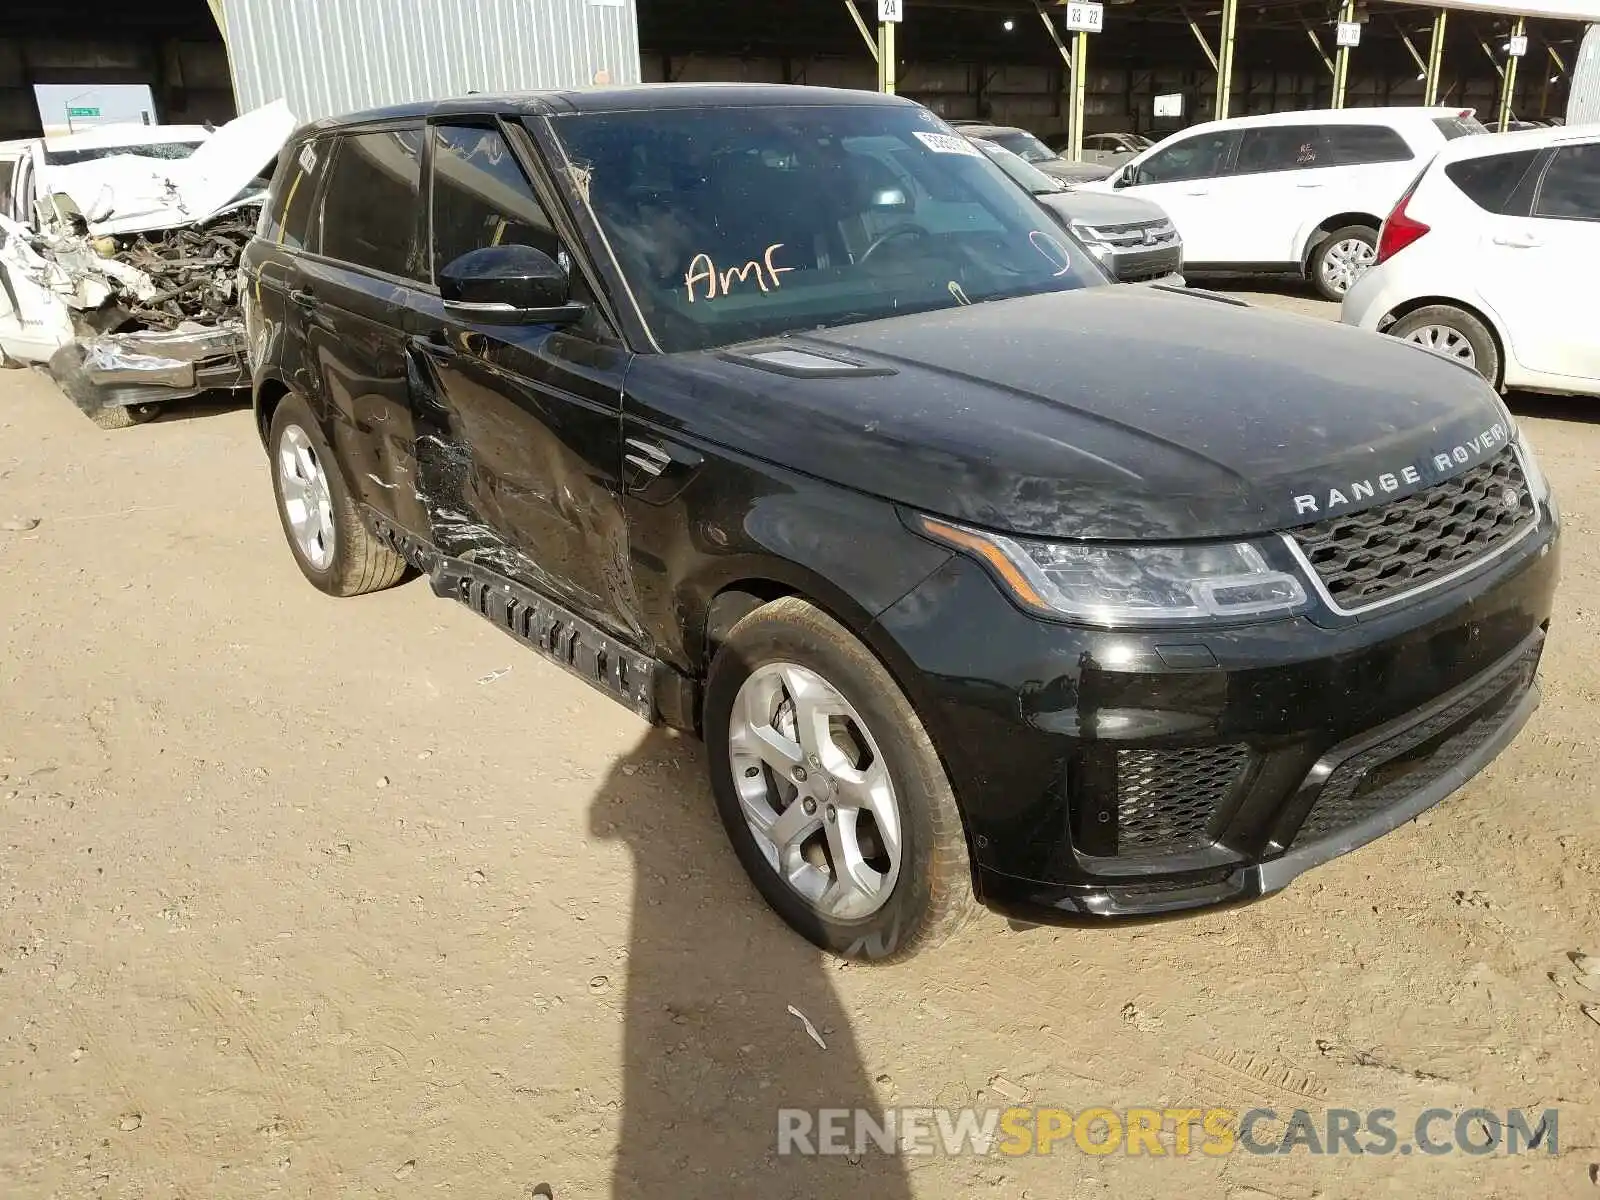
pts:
[319, 898]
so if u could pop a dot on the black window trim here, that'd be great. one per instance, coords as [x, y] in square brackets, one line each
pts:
[1541, 169]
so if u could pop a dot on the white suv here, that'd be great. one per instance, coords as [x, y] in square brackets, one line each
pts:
[1492, 257]
[1297, 193]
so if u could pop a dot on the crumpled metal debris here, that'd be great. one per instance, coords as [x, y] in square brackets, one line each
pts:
[167, 358]
[192, 270]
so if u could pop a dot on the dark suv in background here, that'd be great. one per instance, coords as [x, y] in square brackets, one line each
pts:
[781, 415]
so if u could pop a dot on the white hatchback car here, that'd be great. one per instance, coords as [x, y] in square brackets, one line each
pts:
[1491, 258]
[1291, 193]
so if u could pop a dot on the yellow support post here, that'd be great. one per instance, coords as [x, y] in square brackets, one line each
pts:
[1430, 91]
[1080, 87]
[886, 57]
[1508, 86]
[1341, 62]
[1230, 25]
[861, 25]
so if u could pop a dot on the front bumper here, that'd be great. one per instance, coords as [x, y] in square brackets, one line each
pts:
[1111, 774]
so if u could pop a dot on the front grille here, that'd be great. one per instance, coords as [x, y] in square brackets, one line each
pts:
[1359, 787]
[1165, 798]
[1368, 557]
[1132, 237]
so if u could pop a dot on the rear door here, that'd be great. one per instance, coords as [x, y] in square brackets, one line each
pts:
[1186, 177]
[1545, 266]
[1285, 176]
[351, 296]
[520, 426]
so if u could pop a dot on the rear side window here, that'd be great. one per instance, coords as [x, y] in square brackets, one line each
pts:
[287, 216]
[1354, 145]
[1491, 182]
[1454, 127]
[481, 197]
[1570, 189]
[8, 169]
[1284, 148]
[1203, 156]
[369, 205]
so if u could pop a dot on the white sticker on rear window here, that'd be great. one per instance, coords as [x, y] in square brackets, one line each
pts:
[948, 143]
[308, 158]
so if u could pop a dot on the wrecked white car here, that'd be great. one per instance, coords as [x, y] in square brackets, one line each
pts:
[127, 287]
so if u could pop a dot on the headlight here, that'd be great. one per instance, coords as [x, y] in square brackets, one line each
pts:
[1092, 238]
[1129, 584]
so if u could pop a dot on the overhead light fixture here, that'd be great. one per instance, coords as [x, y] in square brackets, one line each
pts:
[1506, 47]
[1010, 25]
[1421, 75]
[1554, 78]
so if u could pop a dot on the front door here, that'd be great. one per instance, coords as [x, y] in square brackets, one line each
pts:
[1187, 178]
[1542, 268]
[519, 426]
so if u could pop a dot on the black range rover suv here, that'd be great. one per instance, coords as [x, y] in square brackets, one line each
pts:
[782, 416]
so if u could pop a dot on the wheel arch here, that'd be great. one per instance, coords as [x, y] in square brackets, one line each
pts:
[269, 393]
[1316, 234]
[1407, 307]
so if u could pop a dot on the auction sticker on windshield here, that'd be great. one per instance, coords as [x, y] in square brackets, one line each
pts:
[947, 143]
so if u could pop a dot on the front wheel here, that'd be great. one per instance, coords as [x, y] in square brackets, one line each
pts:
[1343, 257]
[830, 788]
[1454, 333]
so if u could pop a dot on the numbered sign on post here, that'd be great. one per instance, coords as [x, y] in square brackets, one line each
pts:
[1085, 17]
[891, 10]
[1518, 47]
[1349, 33]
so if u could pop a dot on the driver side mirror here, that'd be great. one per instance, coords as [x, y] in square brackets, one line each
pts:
[1127, 177]
[508, 285]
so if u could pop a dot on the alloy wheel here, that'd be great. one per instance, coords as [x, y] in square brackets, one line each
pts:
[306, 499]
[815, 790]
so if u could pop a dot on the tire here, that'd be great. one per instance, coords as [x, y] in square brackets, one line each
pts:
[123, 416]
[781, 650]
[1336, 263]
[1455, 333]
[339, 555]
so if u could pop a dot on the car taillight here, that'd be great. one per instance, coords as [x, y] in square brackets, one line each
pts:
[1400, 229]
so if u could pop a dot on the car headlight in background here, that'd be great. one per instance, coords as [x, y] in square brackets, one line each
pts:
[1094, 242]
[1117, 585]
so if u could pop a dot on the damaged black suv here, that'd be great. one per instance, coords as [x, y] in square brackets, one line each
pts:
[781, 415]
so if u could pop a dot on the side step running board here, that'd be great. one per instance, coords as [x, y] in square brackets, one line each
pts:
[534, 620]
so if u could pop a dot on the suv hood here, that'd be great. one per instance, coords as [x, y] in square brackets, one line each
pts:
[1113, 412]
[1093, 208]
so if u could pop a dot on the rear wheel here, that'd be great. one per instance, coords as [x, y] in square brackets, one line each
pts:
[1453, 332]
[830, 789]
[124, 416]
[1343, 257]
[334, 549]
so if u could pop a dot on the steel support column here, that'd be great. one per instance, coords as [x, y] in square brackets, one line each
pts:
[1230, 25]
[1341, 61]
[1430, 91]
[1080, 88]
[1508, 86]
[886, 57]
[861, 25]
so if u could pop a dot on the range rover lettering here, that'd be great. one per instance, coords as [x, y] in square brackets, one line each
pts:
[783, 417]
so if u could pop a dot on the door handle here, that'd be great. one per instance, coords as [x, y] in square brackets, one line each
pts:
[302, 298]
[1201, 192]
[435, 345]
[1517, 241]
[1309, 185]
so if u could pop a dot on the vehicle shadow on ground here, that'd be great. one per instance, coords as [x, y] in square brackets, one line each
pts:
[206, 404]
[711, 1051]
[1553, 408]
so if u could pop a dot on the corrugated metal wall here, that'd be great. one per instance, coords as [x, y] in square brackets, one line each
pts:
[336, 56]
[1583, 103]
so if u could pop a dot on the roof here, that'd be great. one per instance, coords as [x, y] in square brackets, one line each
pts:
[1338, 116]
[1485, 144]
[635, 98]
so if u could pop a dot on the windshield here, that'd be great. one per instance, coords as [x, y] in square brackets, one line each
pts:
[738, 223]
[1030, 177]
[1024, 145]
[167, 150]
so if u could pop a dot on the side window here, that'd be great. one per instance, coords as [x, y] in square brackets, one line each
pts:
[1491, 182]
[8, 170]
[1283, 148]
[287, 218]
[481, 198]
[1200, 157]
[369, 206]
[1570, 189]
[1354, 145]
